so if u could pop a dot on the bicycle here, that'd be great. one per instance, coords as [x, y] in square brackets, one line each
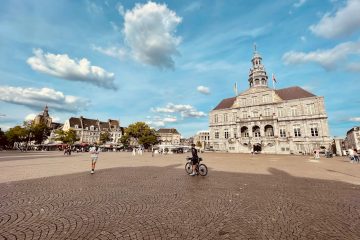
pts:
[200, 167]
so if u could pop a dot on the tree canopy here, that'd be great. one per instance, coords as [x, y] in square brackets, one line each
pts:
[104, 137]
[139, 133]
[69, 136]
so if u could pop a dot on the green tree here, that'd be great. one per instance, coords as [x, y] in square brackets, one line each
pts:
[68, 137]
[39, 133]
[17, 134]
[104, 137]
[140, 133]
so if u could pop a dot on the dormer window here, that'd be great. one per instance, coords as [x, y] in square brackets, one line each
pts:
[76, 126]
[92, 128]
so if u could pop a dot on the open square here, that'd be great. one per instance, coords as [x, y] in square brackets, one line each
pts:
[50, 196]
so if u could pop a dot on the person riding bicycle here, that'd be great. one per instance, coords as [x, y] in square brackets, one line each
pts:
[194, 159]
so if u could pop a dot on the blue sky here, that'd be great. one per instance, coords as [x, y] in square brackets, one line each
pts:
[169, 63]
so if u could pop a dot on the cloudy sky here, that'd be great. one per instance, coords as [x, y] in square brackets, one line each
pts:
[169, 63]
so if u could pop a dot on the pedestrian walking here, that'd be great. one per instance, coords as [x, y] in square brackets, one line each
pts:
[94, 153]
[356, 156]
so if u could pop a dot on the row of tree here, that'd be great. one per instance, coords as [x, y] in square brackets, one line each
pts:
[136, 134]
[23, 135]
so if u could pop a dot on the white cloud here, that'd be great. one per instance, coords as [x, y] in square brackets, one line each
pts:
[299, 3]
[61, 66]
[343, 23]
[303, 38]
[116, 52]
[120, 8]
[203, 90]
[185, 110]
[328, 59]
[155, 124]
[149, 31]
[36, 98]
[159, 121]
[355, 119]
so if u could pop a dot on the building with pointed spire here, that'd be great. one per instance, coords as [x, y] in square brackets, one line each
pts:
[43, 118]
[262, 119]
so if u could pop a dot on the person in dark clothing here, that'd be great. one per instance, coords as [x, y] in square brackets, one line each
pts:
[195, 159]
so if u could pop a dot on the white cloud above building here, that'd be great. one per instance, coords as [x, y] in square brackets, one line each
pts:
[203, 90]
[184, 110]
[62, 66]
[37, 98]
[149, 31]
[329, 59]
[342, 23]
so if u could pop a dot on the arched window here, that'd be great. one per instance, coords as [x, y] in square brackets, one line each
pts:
[244, 132]
[256, 131]
[269, 131]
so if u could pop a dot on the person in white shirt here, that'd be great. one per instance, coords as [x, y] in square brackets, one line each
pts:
[94, 153]
[351, 154]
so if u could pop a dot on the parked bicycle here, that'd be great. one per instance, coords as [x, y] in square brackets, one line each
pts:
[200, 167]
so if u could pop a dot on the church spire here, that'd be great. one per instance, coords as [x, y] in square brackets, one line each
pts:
[46, 111]
[257, 74]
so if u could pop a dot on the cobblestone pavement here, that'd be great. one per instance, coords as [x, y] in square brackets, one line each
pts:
[162, 202]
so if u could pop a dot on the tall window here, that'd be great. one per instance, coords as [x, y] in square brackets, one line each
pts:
[282, 132]
[255, 114]
[293, 111]
[267, 112]
[234, 117]
[244, 114]
[235, 130]
[281, 112]
[216, 135]
[226, 133]
[225, 117]
[314, 131]
[243, 102]
[310, 108]
[216, 118]
[254, 100]
[266, 98]
[297, 131]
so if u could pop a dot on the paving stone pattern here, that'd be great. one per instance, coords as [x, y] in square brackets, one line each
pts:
[165, 203]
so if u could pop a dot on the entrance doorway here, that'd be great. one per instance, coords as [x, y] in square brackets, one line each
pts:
[257, 148]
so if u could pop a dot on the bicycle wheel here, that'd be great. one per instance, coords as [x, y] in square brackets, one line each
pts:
[188, 168]
[203, 169]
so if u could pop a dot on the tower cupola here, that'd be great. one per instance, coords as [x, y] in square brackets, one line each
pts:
[257, 74]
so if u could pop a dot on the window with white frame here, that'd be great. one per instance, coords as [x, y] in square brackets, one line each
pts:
[216, 134]
[76, 126]
[216, 118]
[243, 101]
[281, 112]
[225, 117]
[244, 114]
[293, 111]
[255, 113]
[266, 98]
[267, 112]
[235, 130]
[297, 131]
[310, 108]
[282, 132]
[254, 100]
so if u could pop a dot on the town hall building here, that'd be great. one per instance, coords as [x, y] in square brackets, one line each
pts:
[261, 119]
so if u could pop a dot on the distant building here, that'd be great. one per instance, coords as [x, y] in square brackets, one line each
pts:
[262, 119]
[44, 118]
[186, 141]
[352, 139]
[168, 136]
[89, 130]
[203, 137]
